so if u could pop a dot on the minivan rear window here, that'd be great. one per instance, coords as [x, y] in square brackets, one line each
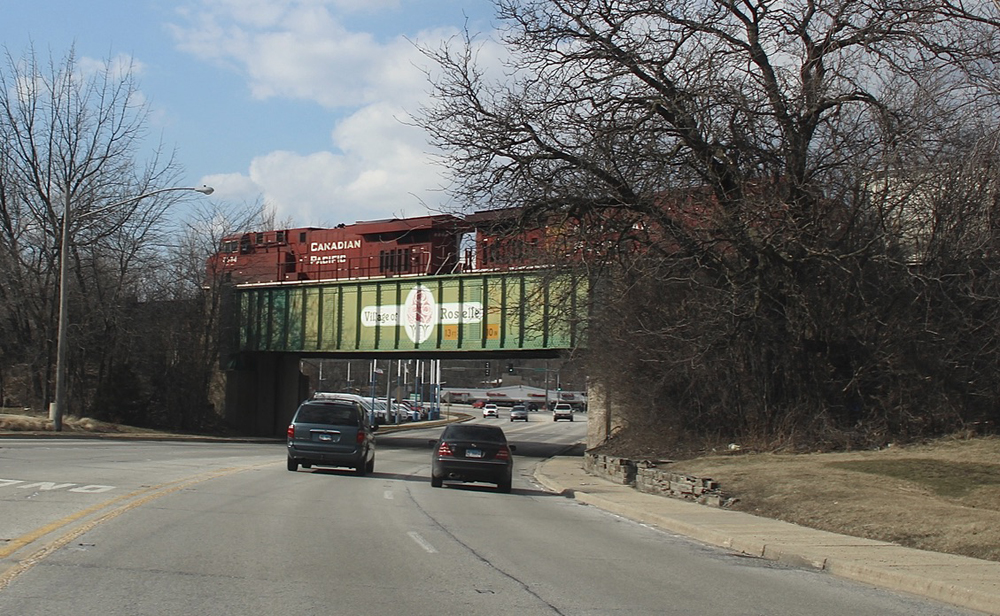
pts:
[338, 414]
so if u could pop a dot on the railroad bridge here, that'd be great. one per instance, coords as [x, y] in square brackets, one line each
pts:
[270, 327]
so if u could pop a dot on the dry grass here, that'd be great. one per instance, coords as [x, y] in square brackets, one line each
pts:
[943, 496]
[16, 420]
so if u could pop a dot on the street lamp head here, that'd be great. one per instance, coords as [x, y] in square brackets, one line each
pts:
[205, 190]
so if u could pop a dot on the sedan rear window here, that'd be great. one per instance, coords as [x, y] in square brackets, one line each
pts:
[478, 433]
[331, 414]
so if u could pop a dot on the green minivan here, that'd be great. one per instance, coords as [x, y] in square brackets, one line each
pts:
[335, 430]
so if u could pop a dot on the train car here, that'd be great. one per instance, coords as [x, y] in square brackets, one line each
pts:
[508, 239]
[504, 240]
[368, 249]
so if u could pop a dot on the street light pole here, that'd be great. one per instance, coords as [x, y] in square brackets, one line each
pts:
[58, 407]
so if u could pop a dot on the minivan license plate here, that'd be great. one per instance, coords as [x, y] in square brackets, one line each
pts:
[473, 453]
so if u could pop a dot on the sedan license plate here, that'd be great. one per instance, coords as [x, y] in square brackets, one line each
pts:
[473, 453]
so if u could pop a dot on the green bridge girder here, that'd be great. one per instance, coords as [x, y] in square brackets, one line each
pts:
[500, 312]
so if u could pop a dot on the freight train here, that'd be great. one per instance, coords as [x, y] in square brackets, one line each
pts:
[422, 245]
[489, 240]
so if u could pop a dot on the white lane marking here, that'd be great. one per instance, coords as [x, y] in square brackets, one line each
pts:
[387, 494]
[422, 542]
[48, 486]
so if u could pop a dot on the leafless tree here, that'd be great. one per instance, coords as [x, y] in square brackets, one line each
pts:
[209, 333]
[754, 156]
[73, 138]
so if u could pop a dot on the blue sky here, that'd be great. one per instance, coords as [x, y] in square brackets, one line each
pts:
[294, 103]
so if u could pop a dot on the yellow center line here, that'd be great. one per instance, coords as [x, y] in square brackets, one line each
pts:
[135, 499]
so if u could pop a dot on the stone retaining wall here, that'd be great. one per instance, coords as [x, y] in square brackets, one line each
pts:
[646, 476]
[618, 470]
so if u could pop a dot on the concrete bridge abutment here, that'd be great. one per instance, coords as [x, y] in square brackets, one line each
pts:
[262, 393]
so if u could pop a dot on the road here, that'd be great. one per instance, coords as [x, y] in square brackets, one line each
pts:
[109, 528]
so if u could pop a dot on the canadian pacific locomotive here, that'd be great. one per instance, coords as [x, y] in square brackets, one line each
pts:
[423, 245]
[439, 244]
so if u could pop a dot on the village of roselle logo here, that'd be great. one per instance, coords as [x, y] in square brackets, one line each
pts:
[420, 314]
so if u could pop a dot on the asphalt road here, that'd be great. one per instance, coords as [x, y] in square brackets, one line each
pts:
[115, 528]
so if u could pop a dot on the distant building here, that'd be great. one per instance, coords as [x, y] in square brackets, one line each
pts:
[511, 395]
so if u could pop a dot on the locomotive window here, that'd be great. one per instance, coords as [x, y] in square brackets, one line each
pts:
[386, 261]
[418, 236]
[302, 237]
[230, 246]
[395, 260]
[259, 238]
[280, 236]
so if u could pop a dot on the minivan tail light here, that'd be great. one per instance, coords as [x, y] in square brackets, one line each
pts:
[291, 430]
[503, 453]
[444, 450]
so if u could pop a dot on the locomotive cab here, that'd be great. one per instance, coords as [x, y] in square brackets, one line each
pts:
[392, 247]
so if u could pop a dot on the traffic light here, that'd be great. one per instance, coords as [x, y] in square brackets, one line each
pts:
[510, 367]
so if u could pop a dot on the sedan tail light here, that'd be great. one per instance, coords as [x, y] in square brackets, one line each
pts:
[444, 450]
[503, 453]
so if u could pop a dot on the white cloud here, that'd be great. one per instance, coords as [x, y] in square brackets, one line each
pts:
[232, 187]
[117, 67]
[300, 50]
[382, 171]
[376, 166]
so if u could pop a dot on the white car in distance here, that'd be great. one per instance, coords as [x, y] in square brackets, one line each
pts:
[562, 411]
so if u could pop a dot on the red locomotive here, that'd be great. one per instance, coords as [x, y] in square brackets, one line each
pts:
[440, 244]
[443, 244]
[423, 245]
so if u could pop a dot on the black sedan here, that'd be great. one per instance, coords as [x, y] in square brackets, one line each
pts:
[472, 453]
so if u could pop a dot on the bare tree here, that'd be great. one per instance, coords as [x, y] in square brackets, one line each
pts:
[210, 341]
[758, 147]
[72, 140]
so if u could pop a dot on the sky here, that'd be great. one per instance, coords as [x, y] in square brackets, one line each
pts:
[297, 104]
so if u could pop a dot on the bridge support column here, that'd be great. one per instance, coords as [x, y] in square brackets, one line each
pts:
[263, 393]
